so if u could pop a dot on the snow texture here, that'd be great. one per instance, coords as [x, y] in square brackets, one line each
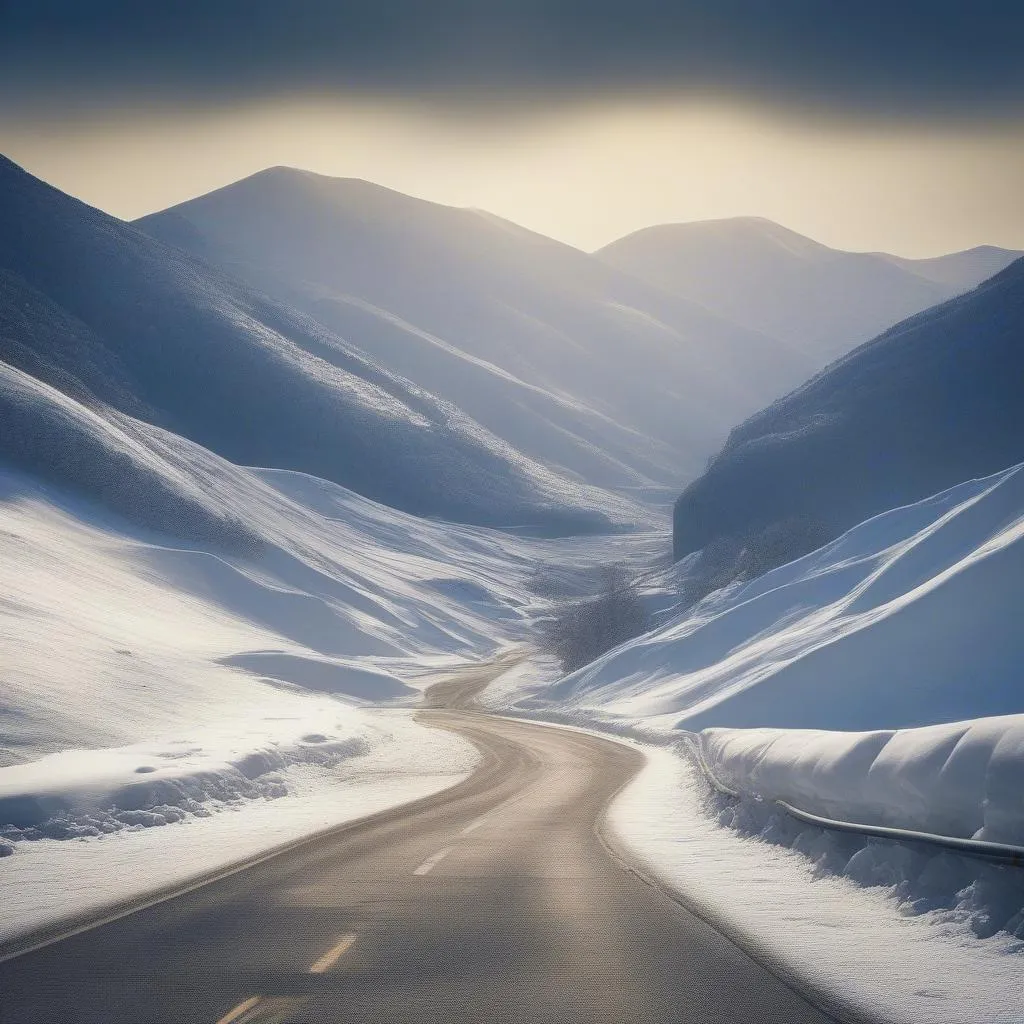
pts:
[878, 930]
[50, 881]
[965, 779]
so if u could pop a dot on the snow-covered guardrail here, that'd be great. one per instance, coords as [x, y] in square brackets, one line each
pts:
[1000, 853]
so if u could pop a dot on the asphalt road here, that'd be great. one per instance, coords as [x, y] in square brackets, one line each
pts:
[495, 901]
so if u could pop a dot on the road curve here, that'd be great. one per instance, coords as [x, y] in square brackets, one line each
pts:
[495, 901]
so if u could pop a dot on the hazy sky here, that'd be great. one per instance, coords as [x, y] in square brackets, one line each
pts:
[895, 125]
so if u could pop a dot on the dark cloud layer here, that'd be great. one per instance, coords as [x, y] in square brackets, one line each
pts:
[892, 58]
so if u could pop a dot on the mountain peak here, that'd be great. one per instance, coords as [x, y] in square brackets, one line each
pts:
[730, 233]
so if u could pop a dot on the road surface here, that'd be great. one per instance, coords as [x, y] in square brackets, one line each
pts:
[495, 901]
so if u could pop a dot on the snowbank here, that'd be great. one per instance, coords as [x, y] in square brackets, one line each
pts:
[875, 931]
[965, 779]
[50, 881]
[79, 793]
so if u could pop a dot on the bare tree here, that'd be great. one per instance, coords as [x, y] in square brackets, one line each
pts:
[580, 631]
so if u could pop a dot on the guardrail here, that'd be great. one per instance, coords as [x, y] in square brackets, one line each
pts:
[998, 853]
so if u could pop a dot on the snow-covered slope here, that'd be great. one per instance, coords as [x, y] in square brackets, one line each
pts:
[115, 634]
[890, 626]
[767, 277]
[908, 619]
[580, 366]
[183, 640]
[933, 401]
[147, 680]
[102, 314]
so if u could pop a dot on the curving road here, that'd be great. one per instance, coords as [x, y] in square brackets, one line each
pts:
[495, 901]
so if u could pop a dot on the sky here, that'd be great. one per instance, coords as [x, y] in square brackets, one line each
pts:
[896, 126]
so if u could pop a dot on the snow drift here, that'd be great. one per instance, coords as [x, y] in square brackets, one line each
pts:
[964, 779]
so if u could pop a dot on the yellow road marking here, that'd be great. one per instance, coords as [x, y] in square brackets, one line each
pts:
[243, 1007]
[432, 862]
[263, 1010]
[333, 955]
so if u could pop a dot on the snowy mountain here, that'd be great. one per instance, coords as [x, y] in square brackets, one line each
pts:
[104, 330]
[578, 365]
[822, 300]
[933, 401]
[201, 660]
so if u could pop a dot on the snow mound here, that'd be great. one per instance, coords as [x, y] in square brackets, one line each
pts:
[964, 779]
[86, 793]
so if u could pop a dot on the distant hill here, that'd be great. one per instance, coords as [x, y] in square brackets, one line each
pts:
[824, 301]
[590, 370]
[929, 403]
[103, 328]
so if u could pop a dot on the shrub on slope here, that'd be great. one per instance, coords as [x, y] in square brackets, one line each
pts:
[582, 630]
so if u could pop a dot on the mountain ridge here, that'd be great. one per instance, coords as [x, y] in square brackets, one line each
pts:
[824, 300]
[590, 370]
[160, 334]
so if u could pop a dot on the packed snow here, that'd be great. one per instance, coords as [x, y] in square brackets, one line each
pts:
[963, 779]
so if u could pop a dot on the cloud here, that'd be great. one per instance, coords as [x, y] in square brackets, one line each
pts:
[944, 59]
